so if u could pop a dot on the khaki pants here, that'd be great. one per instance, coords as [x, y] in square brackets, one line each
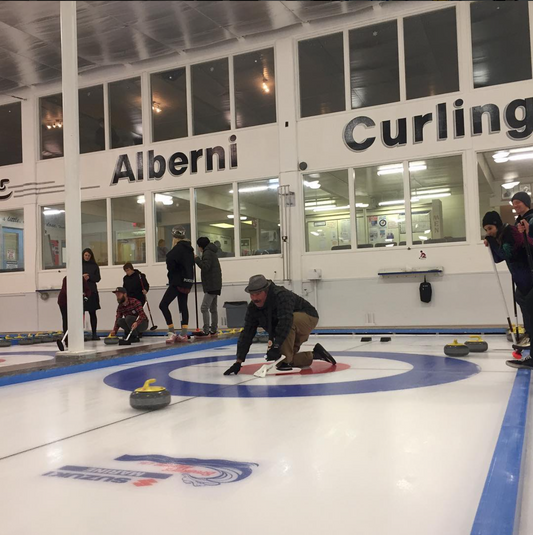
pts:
[302, 325]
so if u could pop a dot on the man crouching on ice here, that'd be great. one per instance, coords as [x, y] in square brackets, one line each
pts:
[287, 318]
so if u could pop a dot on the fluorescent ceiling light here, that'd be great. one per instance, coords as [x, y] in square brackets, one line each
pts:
[312, 185]
[390, 203]
[390, 245]
[242, 217]
[222, 225]
[50, 211]
[427, 231]
[361, 205]
[165, 199]
[248, 222]
[141, 200]
[314, 175]
[423, 238]
[328, 208]
[510, 185]
[398, 168]
[253, 189]
[504, 157]
[430, 191]
[318, 203]
[315, 233]
[437, 196]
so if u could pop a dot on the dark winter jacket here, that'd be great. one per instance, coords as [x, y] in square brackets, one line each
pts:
[180, 265]
[528, 216]
[210, 268]
[275, 317]
[134, 285]
[509, 246]
[92, 269]
[62, 297]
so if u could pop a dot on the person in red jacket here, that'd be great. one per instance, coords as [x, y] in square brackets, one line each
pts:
[62, 300]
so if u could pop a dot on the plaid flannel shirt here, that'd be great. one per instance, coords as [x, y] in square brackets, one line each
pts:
[132, 308]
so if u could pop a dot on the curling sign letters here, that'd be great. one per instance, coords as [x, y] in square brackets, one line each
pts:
[154, 167]
[517, 115]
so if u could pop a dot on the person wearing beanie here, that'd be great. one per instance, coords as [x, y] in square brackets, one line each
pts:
[287, 318]
[180, 266]
[211, 274]
[508, 243]
[522, 206]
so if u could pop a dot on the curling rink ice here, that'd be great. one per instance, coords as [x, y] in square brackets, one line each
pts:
[397, 441]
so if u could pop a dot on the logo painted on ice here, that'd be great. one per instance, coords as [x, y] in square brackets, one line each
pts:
[196, 472]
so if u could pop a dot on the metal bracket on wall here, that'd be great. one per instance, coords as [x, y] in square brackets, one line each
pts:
[287, 200]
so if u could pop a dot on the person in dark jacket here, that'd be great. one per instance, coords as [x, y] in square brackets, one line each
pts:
[135, 283]
[180, 266]
[522, 206]
[287, 318]
[91, 273]
[507, 243]
[62, 301]
[211, 283]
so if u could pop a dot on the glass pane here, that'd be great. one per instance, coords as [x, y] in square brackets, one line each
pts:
[374, 69]
[10, 134]
[214, 214]
[259, 214]
[54, 245]
[125, 113]
[210, 97]
[169, 104]
[12, 240]
[501, 174]
[94, 229]
[327, 211]
[255, 88]
[499, 31]
[379, 206]
[437, 200]
[431, 66]
[91, 108]
[321, 64]
[171, 208]
[128, 230]
[51, 111]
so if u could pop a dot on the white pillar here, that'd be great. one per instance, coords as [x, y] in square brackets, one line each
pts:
[69, 61]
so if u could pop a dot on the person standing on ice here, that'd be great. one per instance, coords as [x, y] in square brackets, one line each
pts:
[507, 244]
[180, 265]
[287, 318]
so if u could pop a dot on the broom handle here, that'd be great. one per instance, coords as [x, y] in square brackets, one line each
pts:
[147, 303]
[502, 294]
[515, 309]
[196, 298]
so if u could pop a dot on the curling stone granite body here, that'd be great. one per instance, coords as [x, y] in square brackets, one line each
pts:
[476, 344]
[111, 340]
[150, 397]
[456, 349]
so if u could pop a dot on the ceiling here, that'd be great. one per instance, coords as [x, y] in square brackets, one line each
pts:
[119, 33]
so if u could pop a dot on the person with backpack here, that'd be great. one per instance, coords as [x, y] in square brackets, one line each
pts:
[211, 274]
[180, 266]
[135, 283]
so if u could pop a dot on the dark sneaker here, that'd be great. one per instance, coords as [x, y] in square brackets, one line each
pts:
[526, 363]
[134, 339]
[213, 333]
[95, 337]
[201, 334]
[283, 367]
[319, 353]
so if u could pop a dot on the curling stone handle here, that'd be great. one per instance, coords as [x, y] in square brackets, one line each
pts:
[476, 338]
[147, 384]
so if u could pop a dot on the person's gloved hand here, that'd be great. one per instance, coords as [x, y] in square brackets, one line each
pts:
[274, 353]
[235, 368]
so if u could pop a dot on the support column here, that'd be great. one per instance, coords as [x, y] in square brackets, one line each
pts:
[69, 61]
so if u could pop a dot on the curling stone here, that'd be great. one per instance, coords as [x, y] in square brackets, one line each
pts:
[476, 344]
[385, 339]
[456, 349]
[366, 339]
[111, 340]
[521, 333]
[26, 340]
[5, 343]
[150, 398]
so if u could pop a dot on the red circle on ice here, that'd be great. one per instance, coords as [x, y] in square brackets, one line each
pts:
[2, 360]
[317, 367]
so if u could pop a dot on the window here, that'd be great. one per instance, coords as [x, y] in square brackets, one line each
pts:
[374, 69]
[321, 65]
[255, 88]
[259, 217]
[91, 111]
[437, 200]
[171, 208]
[380, 206]
[431, 65]
[12, 240]
[327, 211]
[125, 113]
[210, 97]
[128, 230]
[214, 216]
[94, 229]
[51, 111]
[500, 42]
[54, 245]
[501, 174]
[10, 134]
[169, 105]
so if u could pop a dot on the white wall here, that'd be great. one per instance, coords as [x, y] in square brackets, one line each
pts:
[350, 289]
